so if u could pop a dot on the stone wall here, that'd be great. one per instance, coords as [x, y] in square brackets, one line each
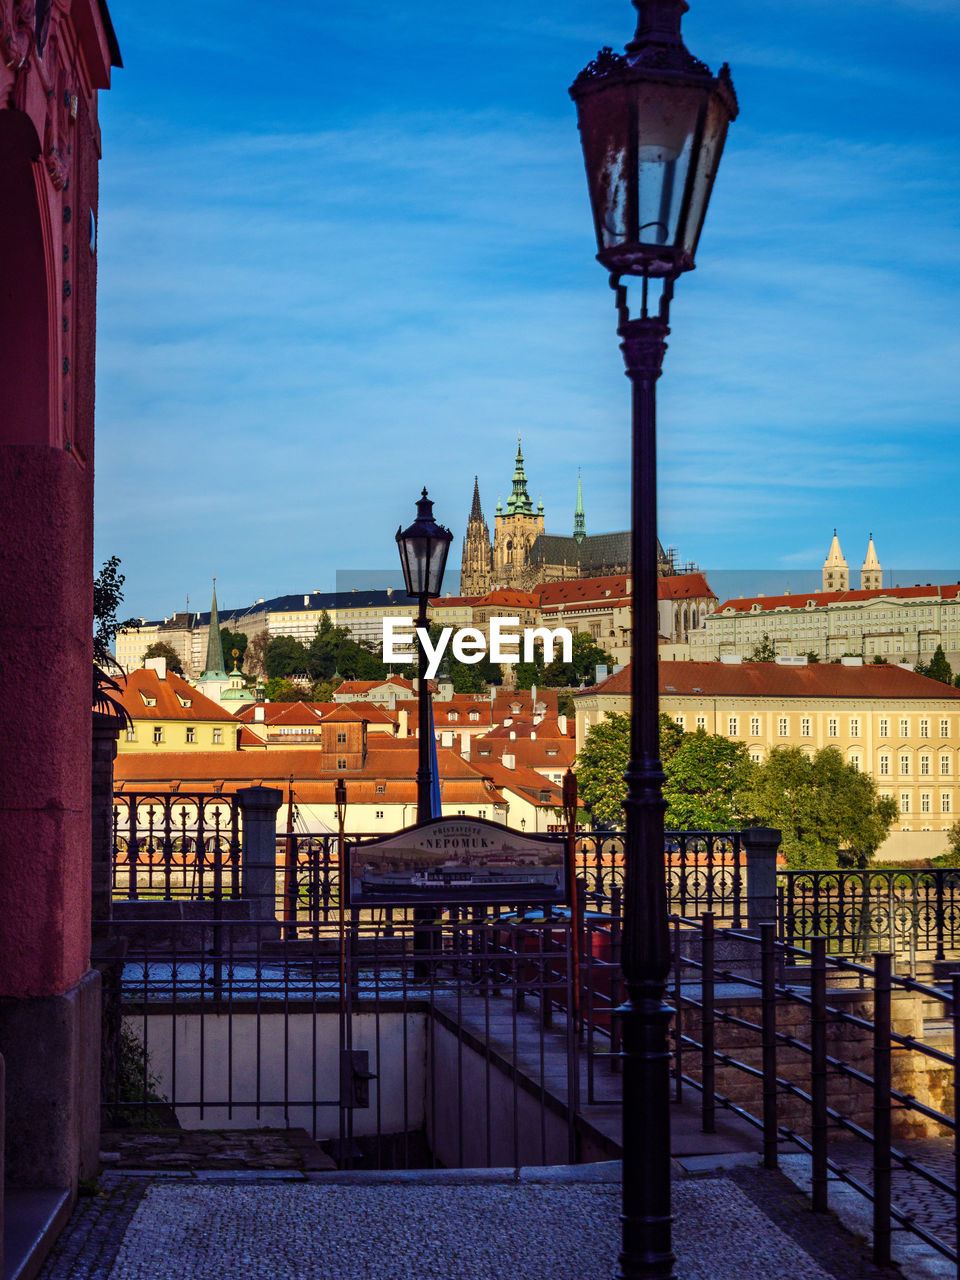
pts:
[928, 1081]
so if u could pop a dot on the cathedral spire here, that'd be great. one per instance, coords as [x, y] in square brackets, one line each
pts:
[519, 503]
[871, 574]
[475, 512]
[836, 571]
[214, 666]
[579, 519]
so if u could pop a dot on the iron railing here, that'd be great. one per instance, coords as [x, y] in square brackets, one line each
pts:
[857, 912]
[845, 1049]
[172, 845]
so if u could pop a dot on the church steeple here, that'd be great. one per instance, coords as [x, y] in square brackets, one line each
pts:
[519, 503]
[214, 669]
[836, 571]
[871, 575]
[579, 519]
[475, 562]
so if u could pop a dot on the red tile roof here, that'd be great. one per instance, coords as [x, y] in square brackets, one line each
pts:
[684, 586]
[576, 590]
[167, 695]
[771, 680]
[821, 598]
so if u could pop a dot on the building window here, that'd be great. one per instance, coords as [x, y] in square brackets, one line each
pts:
[341, 736]
[855, 763]
[191, 733]
[904, 764]
[904, 728]
[805, 727]
[904, 801]
[944, 728]
[680, 720]
[481, 813]
[925, 766]
[884, 728]
[782, 727]
[884, 764]
[701, 722]
[925, 802]
[832, 728]
[756, 757]
[944, 766]
[217, 736]
[755, 726]
[733, 724]
[461, 813]
[379, 813]
[474, 715]
[341, 764]
[131, 735]
[924, 728]
[158, 733]
[854, 727]
[945, 802]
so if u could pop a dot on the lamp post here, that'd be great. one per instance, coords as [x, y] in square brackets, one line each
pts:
[423, 557]
[653, 122]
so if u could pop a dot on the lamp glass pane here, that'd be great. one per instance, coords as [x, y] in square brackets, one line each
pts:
[413, 553]
[666, 129]
[438, 560]
[714, 136]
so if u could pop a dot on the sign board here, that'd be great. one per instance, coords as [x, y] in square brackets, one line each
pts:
[455, 860]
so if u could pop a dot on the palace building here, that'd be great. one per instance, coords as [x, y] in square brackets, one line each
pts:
[523, 555]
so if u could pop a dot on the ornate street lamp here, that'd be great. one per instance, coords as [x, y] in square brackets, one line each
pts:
[423, 556]
[653, 122]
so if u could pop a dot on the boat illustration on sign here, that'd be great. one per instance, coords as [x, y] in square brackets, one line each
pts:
[450, 860]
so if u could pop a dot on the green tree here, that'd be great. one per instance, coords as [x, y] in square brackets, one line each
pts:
[285, 656]
[565, 705]
[160, 649]
[671, 736]
[939, 668]
[764, 651]
[107, 598]
[586, 656]
[323, 651]
[878, 660]
[231, 640]
[601, 766]
[256, 654]
[277, 689]
[952, 857]
[707, 777]
[830, 813]
[812, 655]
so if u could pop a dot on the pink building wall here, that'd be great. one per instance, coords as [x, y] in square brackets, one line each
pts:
[52, 64]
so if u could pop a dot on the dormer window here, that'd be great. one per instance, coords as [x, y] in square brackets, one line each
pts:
[184, 702]
[552, 751]
[147, 701]
[453, 715]
[474, 715]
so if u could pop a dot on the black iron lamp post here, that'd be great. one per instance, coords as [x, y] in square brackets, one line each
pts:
[653, 122]
[423, 556]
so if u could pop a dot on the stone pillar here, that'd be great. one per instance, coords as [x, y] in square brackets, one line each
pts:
[106, 730]
[258, 856]
[760, 847]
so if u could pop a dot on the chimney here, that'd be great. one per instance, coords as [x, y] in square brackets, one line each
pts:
[513, 735]
[404, 730]
[446, 738]
[259, 714]
[159, 665]
[533, 735]
[465, 745]
[562, 725]
[508, 761]
[306, 602]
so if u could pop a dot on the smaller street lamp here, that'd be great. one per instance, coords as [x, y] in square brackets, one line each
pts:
[423, 550]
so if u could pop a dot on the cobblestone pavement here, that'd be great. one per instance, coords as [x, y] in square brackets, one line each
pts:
[931, 1208]
[291, 1149]
[458, 1226]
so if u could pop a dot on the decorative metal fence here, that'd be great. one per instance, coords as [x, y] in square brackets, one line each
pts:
[916, 913]
[176, 845]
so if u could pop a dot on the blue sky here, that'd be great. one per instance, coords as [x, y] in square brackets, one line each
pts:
[346, 251]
